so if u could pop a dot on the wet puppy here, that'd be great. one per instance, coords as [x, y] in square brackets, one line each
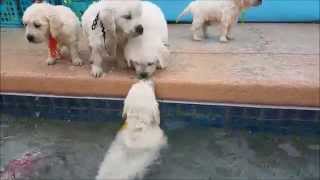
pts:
[224, 12]
[108, 26]
[57, 25]
[149, 51]
[138, 144]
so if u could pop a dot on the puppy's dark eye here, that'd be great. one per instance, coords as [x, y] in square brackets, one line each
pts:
[150, 64]
[128, 16]
[36, 25]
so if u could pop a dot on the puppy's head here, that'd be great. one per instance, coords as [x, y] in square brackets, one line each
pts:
[146, 60]
[128, 18]
[144, 68]
[140, 106]
[41, 21]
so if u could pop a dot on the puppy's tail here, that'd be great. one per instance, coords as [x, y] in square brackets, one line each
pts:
[184, 12]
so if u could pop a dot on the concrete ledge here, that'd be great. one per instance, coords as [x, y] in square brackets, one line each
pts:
[272, 64]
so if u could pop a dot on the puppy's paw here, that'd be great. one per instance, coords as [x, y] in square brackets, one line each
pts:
[51, 61]
[64, 51]
[230, 38]
[122, 64]
[96, 71]
[77, 62]
[197, 38]
[223, 39]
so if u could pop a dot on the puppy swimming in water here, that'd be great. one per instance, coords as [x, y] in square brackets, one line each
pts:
[137, 145]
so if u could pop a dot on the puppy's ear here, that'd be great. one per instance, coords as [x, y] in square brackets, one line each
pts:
[55, 24]
[107, 18]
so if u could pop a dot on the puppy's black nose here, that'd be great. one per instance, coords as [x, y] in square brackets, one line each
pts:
[30, 38]
[139, 29]
[143, 75]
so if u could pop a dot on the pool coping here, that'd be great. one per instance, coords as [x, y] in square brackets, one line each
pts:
[254, 69]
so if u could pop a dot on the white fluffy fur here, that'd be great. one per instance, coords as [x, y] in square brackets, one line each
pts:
[43, 19]
[138, 144]
[149, 50]
[113, 15]
[225, 12]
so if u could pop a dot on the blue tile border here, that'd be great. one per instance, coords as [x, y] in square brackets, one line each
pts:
[174, 115]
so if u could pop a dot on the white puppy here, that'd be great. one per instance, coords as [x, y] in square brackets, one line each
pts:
[225, 12]
[108, 26]
[138, 144]
[57, 25]
[150, 50]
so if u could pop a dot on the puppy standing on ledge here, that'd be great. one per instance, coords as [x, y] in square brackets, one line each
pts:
[57, 25]
[108, 25]
[149, 51]
[138, 143]
[225, 12]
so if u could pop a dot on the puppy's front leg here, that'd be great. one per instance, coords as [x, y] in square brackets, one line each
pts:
[121, 60]
[51, 60]
[96, 67]
[229, 36]
[205, 30]
[224, 32]
[197, 29]
[74, 53]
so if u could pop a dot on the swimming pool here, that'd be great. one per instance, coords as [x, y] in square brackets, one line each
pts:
[206, 141]
[74, 150]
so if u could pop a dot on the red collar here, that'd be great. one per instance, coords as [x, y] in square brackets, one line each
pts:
[53, 47]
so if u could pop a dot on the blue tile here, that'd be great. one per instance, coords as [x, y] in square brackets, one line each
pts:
[252, 112]
[29, 100]
[307, 115]
[168, 109]
[175, 124]
[2, 99]
[115, 104]
[272, 114]
[289, 114]
[203, 109]
[60, 113]
[98, 103]
[236, 111]
[10, 99]
[43, 101]
[101, 115]
[59, 102]
[217, 121]
[186, 108]
[72, 103]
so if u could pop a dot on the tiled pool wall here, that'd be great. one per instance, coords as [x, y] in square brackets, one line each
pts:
[173, 115]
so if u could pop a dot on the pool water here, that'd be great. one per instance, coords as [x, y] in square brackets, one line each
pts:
[74, 150]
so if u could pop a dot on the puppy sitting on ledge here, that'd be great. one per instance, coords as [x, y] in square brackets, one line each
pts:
[225, 12]
[57, 25]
